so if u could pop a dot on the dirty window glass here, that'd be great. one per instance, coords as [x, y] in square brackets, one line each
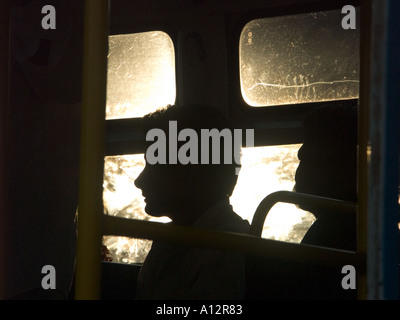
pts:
[122, 199]
[299, 58]
[141, 74]
[264, 170]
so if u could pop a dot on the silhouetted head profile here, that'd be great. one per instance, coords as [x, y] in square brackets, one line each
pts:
[184, 191]
[328, 156]
[328, 168]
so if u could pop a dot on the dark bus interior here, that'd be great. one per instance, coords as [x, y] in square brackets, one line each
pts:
[265, 64]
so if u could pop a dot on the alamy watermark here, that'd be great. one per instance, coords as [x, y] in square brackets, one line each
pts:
[49, 280]
[49, 20]
[349, 20]
[188, 153]
[349, 280]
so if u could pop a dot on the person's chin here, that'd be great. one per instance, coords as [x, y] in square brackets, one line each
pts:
[152, 209]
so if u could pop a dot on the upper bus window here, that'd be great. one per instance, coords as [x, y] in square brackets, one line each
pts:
[141, 74]
[299, 58]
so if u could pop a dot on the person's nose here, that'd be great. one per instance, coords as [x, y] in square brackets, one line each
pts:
[139, 180]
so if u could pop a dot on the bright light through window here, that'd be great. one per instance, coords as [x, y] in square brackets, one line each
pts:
[141, 78]
[122, 199]
[264, 170]
[141, 74]
[299, 58]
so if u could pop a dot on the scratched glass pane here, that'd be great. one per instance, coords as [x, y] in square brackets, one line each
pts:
[122, 199]
[264, 170]
[299, 58]
[141, 74]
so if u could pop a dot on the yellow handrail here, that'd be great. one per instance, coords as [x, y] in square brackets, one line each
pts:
[4, 85]
[363, 139]
[88, 266]
[244, 243]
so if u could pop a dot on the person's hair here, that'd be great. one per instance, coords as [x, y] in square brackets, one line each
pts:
[330, 141]
[198, 117]
[332, 127]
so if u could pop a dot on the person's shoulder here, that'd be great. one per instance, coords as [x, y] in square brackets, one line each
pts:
[221, 217]
[236, 223]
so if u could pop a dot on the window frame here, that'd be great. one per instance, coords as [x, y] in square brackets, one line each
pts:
[278, 124]
[124, 135]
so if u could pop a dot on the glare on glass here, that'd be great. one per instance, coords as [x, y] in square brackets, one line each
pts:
[141, 74]
[264, 170]
[141, 78]
[121, 198]
[299, 58]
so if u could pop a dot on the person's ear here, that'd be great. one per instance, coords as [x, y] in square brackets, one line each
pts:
[193, 177]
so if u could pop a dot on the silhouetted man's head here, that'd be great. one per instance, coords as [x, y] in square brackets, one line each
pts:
[184, 191]
[328, 157]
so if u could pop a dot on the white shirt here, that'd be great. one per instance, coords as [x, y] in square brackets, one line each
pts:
[174, 271]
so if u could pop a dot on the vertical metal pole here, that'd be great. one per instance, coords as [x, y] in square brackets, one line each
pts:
[363, 141]
[382, 254]
[4, 85]
[390, 150]
[88, 267]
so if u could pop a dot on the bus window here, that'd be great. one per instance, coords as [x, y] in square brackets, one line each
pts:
[141, 74]
[299, 58]
[264, 170]
[140, 79]
[121, 198]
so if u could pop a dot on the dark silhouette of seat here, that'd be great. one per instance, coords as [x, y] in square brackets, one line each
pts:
[285, 278]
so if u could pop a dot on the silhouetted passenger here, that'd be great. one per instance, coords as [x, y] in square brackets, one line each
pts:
[328, 168]
[191, 195]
